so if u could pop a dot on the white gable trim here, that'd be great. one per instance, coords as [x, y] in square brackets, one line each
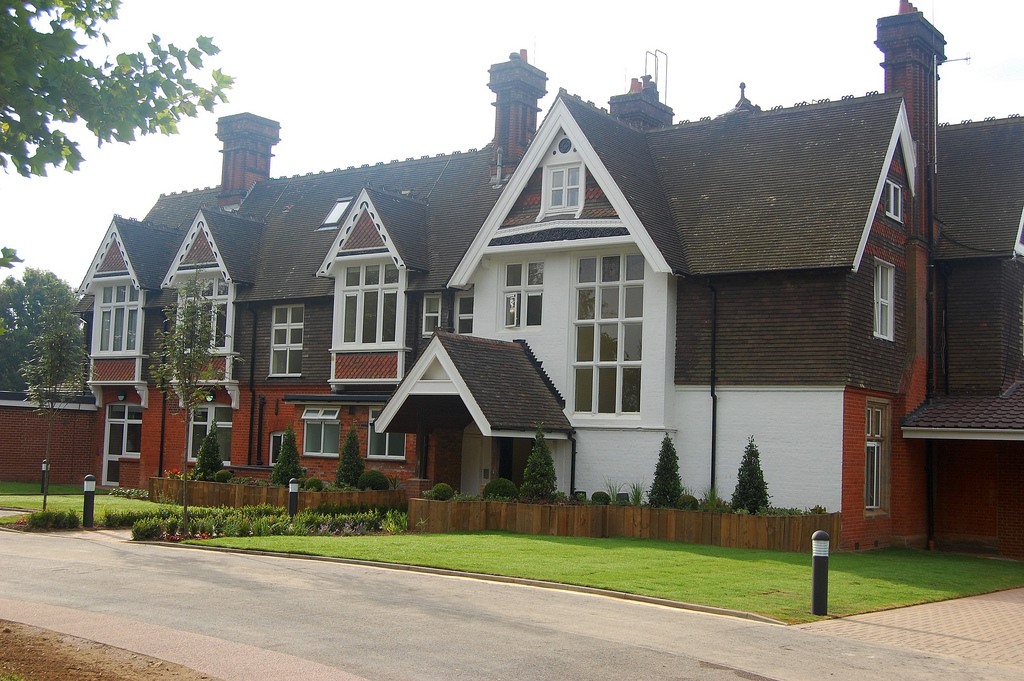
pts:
[361, 204]
[199, 225]
[417, 383]
[900, 135]
[112, 239]
[1018, 248]
[558, 119]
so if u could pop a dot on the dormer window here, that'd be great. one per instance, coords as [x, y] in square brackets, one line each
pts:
[564, 191]
[119, 312]
[892, 198]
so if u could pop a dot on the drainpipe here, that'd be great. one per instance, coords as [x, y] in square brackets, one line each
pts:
[163, 423]
[714, 378]
[929, 456]
[572, 469]
[259, 432]
[252, 384]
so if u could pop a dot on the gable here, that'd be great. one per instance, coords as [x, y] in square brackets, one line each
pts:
[111, 260]
[364, 235]
[197, 252]
[200, 252]
[114, 261]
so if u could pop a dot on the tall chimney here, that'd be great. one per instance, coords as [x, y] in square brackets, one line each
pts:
[247, 142]
[518, 86]
[640, 107]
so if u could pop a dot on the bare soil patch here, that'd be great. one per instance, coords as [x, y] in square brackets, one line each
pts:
[43, 655]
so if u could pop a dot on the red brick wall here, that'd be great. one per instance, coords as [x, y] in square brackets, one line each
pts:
[23, 446]
[445, 457]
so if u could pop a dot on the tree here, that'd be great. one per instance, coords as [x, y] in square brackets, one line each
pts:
[350, 465]
[56, 372]
[45, 82]
[208, 460]
[667, 486]
[751, 491]
[539, 477]
[186, 367]
[8, 256]
[21, 309]
[287, 466]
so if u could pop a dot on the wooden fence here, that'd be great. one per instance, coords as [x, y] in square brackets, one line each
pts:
[215, 494]
[777, 533]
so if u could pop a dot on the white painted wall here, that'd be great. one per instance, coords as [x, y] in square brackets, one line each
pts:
[798, 431]
[622, 456]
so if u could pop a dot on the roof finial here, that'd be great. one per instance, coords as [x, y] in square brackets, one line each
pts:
[743, 89]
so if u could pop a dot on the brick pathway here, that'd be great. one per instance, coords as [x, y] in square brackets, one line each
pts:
[989, 627]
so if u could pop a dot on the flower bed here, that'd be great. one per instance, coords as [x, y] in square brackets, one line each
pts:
[214, 494]
[777, 533]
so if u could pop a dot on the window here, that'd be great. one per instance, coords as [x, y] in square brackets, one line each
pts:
[524, 285]
[384, 445]
[218, 291]
[609, 334]
[876, 456]
[370, 304]
[464, 313]
[884, 287]
[564, 188]
[286, 341]
[334, 217]
[202, 420]
[322, 431]
[120, 311]
[892, 199]
[431, 314]
[276, 441]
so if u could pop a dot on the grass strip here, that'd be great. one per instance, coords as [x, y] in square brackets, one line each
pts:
[33, 488]
[59, 502]
[769, 583]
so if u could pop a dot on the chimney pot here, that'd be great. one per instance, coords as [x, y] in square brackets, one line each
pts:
[906, 7]
[522, 55]
[634, 85]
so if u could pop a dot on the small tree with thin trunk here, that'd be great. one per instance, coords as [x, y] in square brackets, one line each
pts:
[350, 465]
[186, 367]
[667, 485]
[539, 482]
[57, 369]
[287, 466]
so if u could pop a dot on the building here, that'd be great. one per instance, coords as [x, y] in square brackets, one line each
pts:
[805, 276]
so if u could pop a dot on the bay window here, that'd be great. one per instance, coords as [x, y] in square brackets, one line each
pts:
[370, 304]
[120, 309]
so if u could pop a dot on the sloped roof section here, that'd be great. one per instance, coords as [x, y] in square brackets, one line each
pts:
[150, 247]
[405, 220]
[507, 382]
[970, 417]
[981, 188]
[238, 239]
[776, 190]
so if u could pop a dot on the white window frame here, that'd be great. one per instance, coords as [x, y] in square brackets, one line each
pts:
[892, 199]
[431, 313]
[600, 302]
[560, 189]
[876, 456]
[118, 302]
[352, 301]
[464, 318]
[286, 339]
[276, 439]
[195, 439]
[316, 420]
[336, 212]
[391, 441]
[526, 293]
[885, 289]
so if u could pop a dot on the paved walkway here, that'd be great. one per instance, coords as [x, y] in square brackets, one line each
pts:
[988, 628]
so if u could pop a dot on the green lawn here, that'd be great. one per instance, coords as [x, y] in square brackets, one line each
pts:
[58, 502]
[33, 488]
[770, 583]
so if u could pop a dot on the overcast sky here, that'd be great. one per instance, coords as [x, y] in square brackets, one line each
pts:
[355, 83]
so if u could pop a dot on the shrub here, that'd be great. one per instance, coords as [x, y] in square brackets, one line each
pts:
[751, 491]
[395, 522]
[54, 520]
[442, 492]
[350, 465]
[667, 485]
[115, 518]
[223, 475]
[601, 498]
[500, 488]
[208, 460]
[147, 528]
[712, 502]
[287, 466]
[687, 502]
[373, 480]
[313, 485]
[129, 493]
[539, 477]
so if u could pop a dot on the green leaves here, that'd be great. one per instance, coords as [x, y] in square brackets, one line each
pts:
[44, 82]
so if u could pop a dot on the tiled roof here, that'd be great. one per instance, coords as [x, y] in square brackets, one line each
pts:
[507, 383]
[974, 412]
[775, 190]
[980, 188]
[239, 242]
[150, 247]
[405, 219]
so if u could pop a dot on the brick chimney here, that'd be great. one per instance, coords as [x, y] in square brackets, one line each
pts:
[640, 107]
[247, 142]
[518, 86]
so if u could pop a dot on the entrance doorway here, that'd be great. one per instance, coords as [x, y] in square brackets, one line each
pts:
[123, 440]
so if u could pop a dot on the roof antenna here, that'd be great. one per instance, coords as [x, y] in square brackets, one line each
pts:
[657, 78]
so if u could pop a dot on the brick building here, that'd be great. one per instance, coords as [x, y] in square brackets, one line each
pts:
[804, 276]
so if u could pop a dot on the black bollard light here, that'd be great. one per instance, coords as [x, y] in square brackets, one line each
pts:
[819, 572]
[293, 497]
[90, 500]
[42, 480]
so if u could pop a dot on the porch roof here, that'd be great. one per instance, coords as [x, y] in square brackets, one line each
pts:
[500, 384]
[969, 417]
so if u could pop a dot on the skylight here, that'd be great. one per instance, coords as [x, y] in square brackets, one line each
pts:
[334, 217]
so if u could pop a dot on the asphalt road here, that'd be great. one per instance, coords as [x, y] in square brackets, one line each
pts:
[267, 618]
